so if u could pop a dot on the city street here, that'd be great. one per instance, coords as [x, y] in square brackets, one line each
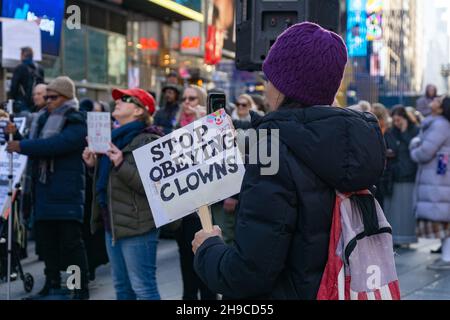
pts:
[313, 135]
[416, 282]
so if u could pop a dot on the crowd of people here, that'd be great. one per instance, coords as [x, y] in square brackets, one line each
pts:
[414, 187]
[271, 239]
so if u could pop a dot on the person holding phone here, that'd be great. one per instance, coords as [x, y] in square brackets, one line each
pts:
[119, 203]
[193, 106]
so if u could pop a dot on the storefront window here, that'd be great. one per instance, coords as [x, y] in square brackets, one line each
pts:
[75, 53]
[97, 53]
[117, 66]
[54, 70]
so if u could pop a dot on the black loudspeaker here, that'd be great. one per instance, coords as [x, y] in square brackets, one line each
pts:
[259, 22]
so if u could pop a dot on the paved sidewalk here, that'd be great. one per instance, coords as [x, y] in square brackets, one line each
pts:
[416, 282]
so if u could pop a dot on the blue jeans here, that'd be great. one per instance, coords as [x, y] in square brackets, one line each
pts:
[133, 264]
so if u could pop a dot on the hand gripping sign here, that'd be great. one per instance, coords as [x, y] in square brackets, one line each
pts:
[191, 168]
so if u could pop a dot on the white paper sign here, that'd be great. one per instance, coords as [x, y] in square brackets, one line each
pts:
[19, 166]
[196, 165]
[16, 35]
[99, 131]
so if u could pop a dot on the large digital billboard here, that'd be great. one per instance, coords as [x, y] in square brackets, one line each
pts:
[49, 14]
[356, 28]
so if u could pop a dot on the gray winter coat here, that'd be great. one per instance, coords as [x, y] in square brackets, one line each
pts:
[432, 192]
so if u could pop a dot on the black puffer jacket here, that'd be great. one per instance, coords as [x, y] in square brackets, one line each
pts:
[284, 220]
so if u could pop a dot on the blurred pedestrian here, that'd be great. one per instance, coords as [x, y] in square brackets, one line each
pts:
[423, 104]
[244, 104]
[166, 117]
[86, 105]
[398, 201]
[40, 103]
[25, 77]
[39, 97]
[362, 106]
[415, 116]
[431, 150]
[192, 108]
[385, 184]
[382, 114]
[284, 219]
[120, 205]
[56, 145]
[101, 106]
[172, 78]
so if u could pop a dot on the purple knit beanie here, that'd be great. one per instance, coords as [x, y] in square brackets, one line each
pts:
[307, 64]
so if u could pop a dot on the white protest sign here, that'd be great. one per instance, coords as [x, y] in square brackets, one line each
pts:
[19, 166]
[194, 166]
[99, 131]
[17, 34]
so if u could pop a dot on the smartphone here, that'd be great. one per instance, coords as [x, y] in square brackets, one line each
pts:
[216, 101]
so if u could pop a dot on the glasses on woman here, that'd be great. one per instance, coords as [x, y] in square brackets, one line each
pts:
[190, 99]
[243, 105]
[130, 99]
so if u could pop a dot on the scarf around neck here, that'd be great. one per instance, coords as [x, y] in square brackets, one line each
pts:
[120, 137]
[54, 122]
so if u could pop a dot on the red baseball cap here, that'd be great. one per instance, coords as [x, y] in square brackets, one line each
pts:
[143, 96]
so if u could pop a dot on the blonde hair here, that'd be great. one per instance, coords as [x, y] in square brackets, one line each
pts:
[249, 100]
[382, 115]
[380, 112]
[201, 94]
[146, 118]
[365, 106]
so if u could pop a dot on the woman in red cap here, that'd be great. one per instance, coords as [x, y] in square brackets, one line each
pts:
[119, 201]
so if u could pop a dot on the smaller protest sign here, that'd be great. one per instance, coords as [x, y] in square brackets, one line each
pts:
[99, 131]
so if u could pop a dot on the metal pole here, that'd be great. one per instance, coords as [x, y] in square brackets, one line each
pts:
[10, 196]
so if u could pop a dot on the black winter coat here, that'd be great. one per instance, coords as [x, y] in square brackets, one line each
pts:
[25, 77]
[284, 220]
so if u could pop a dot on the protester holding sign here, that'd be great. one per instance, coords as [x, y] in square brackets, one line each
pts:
[119, 202]
[283, 220]
[55, 145]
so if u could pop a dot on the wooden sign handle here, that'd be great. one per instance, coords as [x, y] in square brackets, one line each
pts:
[205, 218]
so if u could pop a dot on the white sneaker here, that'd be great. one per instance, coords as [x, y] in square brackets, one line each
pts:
[439, 265]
